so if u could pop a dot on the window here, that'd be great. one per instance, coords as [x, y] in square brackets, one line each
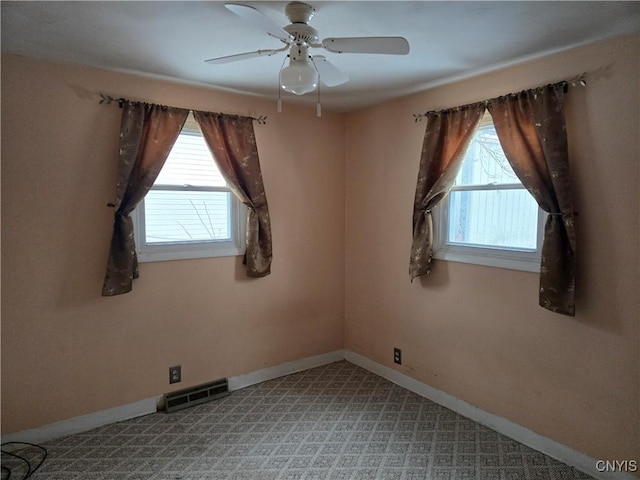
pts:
[489, 218]
[190, 212]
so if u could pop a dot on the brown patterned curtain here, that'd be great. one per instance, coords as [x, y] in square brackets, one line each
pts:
[232, 141]
[447, 136]
[147, 133]
[531, 129]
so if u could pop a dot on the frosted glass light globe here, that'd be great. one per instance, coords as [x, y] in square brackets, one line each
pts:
[299, 77]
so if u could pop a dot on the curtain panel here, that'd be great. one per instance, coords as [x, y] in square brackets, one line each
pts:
[532, 132]
[232, 141]
[531, 129]
[147, 134]
[446, 139]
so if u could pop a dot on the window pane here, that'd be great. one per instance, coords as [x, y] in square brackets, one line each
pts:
[187, 216]
[484, 162]
[190, 163]
[493, 218]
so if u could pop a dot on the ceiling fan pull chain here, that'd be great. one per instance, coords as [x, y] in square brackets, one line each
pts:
[279, 104]
[318, 106]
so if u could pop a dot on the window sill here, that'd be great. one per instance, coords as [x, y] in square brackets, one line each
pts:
[164, 253]
[488, 257]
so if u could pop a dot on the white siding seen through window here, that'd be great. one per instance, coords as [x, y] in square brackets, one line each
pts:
[190, 207]
[488, 215]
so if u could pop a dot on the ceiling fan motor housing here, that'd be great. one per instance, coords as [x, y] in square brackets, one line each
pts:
[302, 33]
[299, 14]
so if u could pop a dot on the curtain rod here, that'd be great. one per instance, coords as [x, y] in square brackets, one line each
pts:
[107, 99]
[578, 80]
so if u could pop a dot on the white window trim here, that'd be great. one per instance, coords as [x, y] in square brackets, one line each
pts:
[513, 259]
[510, 258]
[160, 252]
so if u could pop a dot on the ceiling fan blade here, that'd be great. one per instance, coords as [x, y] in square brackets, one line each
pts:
[385, 45]
[259, 19]
[329, 74]
[243, 56]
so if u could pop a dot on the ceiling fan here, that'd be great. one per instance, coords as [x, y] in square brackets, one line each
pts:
[304, 71]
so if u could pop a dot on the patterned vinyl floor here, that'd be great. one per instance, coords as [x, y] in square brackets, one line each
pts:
[336, 422]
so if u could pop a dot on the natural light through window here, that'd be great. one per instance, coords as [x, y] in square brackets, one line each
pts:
[181, 207]
[190, 211]
[488, 215]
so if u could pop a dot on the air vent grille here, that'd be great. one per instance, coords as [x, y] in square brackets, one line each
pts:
[195, 395]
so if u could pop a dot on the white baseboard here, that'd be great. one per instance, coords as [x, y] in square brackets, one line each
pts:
[538, 442]
[269, 373]
[90, 421]
[501, 425]
[83, 423]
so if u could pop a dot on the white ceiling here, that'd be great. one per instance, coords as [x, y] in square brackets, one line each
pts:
[449, 40]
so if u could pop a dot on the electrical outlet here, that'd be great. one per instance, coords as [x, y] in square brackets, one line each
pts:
[397, 356]
[175, 374]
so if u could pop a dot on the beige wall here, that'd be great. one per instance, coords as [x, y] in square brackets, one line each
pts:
[477, 332]
[66, 351]
[474, 332]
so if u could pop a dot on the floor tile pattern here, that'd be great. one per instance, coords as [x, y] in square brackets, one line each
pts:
[335, 422]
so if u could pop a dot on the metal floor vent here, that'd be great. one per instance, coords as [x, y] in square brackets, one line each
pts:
[195, 395]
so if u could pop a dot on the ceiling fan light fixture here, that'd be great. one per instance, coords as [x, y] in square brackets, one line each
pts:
[304, 72]
[299, 77]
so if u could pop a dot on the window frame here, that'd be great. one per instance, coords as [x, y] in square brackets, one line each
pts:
[167, 251]
[500, 257]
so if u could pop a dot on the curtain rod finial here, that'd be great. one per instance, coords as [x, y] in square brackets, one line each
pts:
[108, 99]
[579, 80]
